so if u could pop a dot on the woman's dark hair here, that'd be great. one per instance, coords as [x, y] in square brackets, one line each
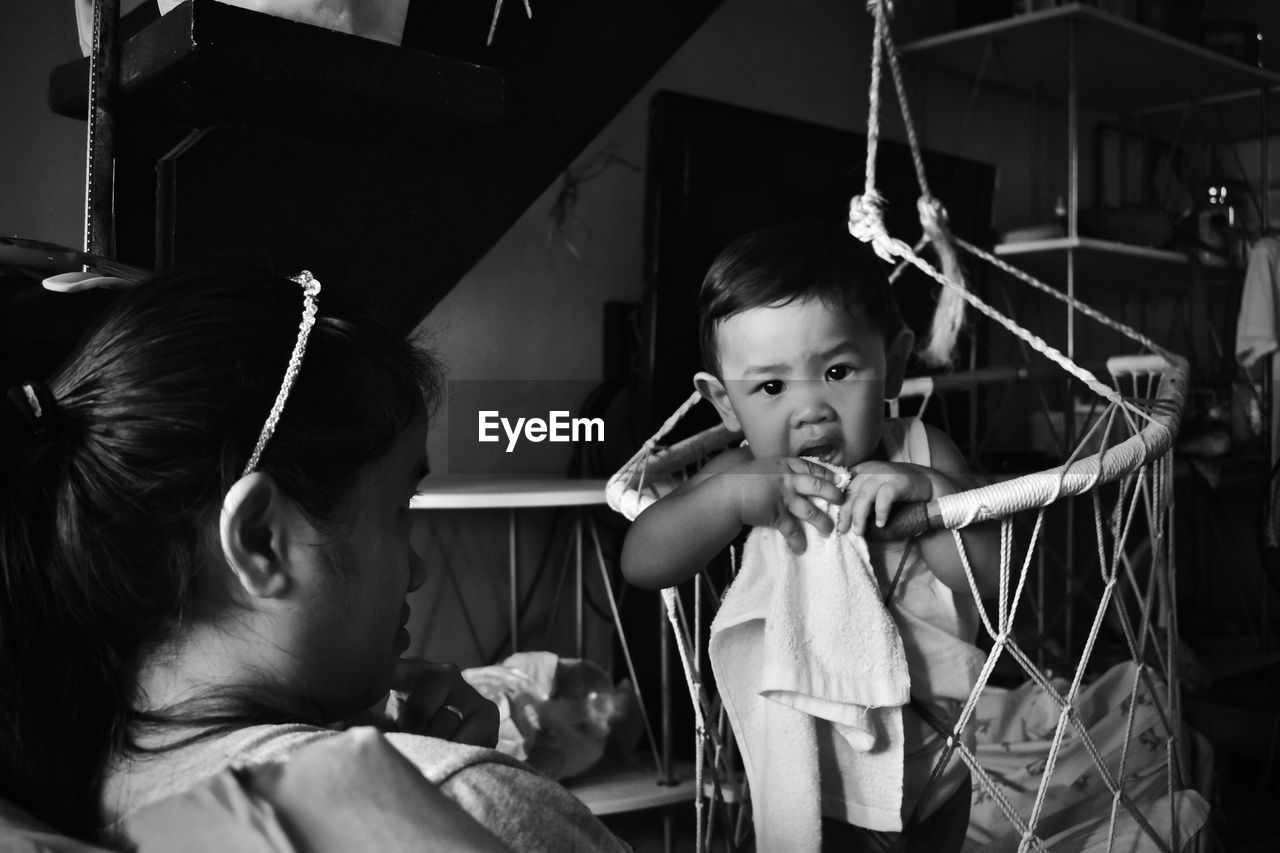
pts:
[795, 261]
[104, 513]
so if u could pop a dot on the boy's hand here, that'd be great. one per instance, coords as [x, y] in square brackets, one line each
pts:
[779, 493]
[876, 487]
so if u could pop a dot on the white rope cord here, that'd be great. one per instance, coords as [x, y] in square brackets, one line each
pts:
[1069, 714]
[630, 498]
[948, 316]
[700, 740]
[1001, 643]
[497, 10]
[626, 647]
[1137, 643]
[913, 142]
[873, 98]
[692, 680]
[1123, 521]
[873, 224]
[1005, 617]
[1129, 717]
[1080, 307]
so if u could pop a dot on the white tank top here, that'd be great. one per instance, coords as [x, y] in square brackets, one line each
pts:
[938, 628]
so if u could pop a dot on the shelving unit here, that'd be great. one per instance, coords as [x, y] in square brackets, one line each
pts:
[1119, 67]
[1102, 263]
[198, 65]
[655, 781]
[1086, 58]
[1080, 59]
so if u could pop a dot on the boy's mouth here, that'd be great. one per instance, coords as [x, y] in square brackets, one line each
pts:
[823, 451]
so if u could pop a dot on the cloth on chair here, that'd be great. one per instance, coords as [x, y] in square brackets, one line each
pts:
[799, 638]
[1258, 328]
[1015, 734]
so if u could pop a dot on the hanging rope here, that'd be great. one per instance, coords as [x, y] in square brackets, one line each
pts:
[866, 220]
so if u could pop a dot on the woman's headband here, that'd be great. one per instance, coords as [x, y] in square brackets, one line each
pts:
[31, 407]
[310, 289]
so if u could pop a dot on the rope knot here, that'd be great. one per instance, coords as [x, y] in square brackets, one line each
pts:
[933, 216]
[948, 317]
[866, 222]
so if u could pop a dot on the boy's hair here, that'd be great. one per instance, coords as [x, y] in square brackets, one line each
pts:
[795, 261]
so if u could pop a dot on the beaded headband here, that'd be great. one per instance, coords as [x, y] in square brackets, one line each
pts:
[31, 407]
[310, 289]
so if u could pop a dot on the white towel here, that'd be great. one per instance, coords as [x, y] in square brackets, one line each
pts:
[803, 637]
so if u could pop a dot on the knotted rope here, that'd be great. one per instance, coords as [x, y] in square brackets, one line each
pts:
[866, 221]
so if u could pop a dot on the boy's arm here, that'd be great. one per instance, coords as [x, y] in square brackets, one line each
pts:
[951, 474]
[877, 486]
[677, 535]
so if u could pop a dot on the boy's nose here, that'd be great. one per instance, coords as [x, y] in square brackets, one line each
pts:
[813, 408]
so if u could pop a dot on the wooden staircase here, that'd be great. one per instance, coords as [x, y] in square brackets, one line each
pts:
[388, 171]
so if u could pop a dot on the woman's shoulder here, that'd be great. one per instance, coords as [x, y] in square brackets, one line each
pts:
[440, 759]
[519, 805]
[437, 759]
[139, 779]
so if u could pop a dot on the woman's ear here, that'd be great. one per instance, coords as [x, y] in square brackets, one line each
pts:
[896, 353]
[713, 391]
[255, 533]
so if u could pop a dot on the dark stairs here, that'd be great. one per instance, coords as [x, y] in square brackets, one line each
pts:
[388, 171]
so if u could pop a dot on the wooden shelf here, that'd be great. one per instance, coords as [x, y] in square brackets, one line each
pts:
[442, 491]
[208, 63]
[614, 787]
[1122, 67]
[1102, 263]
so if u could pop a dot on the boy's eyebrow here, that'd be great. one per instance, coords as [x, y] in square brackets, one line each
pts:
[839, 347]
[844, 347]
[765, 368]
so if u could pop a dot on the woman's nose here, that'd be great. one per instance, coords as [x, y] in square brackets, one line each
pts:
[417, 570]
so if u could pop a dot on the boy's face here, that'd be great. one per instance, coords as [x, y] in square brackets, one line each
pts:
[806, 379]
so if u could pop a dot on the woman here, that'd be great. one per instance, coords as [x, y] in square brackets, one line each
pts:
[204, 531]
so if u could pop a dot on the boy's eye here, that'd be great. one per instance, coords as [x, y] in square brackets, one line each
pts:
[839, 371]
[772, 387]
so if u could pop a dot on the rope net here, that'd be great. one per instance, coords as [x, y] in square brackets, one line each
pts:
[1089, 751]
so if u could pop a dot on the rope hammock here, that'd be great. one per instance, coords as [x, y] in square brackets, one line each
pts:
[1128, 449]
